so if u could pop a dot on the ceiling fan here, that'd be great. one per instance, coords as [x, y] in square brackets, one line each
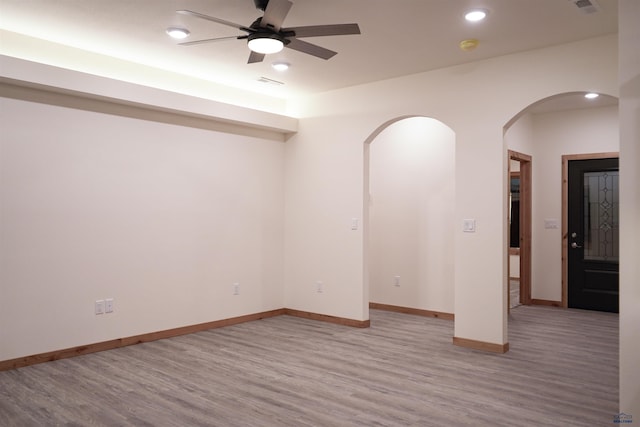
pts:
[266, 34]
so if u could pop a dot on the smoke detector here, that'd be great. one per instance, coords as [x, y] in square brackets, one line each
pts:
[586, 6]
[469, 44]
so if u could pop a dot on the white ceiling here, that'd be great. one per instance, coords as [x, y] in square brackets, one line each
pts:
[399, 37]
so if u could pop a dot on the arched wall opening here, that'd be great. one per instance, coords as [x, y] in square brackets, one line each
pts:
[565, 124]
[409, 194]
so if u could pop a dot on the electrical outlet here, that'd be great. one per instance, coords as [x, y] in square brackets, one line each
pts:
[236, 288]
[396, 281]
[108, 305]
[99, 306]
[319, 287]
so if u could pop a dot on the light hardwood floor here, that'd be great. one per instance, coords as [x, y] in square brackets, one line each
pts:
[562, 370]
[514, 293]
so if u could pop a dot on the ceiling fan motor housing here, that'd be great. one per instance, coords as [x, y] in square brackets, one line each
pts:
[268, 35]
[261, 4]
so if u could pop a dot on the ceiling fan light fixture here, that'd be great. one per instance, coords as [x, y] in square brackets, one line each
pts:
[475, 15]
[265, 43]
[177, 33]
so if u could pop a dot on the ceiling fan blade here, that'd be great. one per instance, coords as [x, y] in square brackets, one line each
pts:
[324, 30]
[255, 57]
[311, 49]
[212, 19]
[275, 13]
[217, 39]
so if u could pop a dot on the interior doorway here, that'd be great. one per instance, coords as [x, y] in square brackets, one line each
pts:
[519, 215]
[409, 195]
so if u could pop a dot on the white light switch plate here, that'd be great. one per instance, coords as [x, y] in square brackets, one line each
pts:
[108, 305]
[99, 306]
[551, 223]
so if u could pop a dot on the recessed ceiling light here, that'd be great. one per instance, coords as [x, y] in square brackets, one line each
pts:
[475, 15]
[178, 33]
[591, 95]
[280, 66]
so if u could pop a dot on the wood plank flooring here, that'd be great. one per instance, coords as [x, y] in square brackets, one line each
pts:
[562, 370]
[514, 293]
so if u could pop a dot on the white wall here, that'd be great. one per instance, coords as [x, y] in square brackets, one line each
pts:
[319, 206]
[412, 190]
[514, 266]
[629, 77]
[163, 218]
[519, 135]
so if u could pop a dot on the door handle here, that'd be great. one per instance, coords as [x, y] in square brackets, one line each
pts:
[574, 245]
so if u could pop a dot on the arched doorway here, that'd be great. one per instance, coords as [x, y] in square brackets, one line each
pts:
[549, 131]
[409, 206]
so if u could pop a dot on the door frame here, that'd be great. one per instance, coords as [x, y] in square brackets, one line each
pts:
[565, 213]
[525, 226]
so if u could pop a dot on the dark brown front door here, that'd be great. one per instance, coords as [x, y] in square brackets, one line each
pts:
[593, 234]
